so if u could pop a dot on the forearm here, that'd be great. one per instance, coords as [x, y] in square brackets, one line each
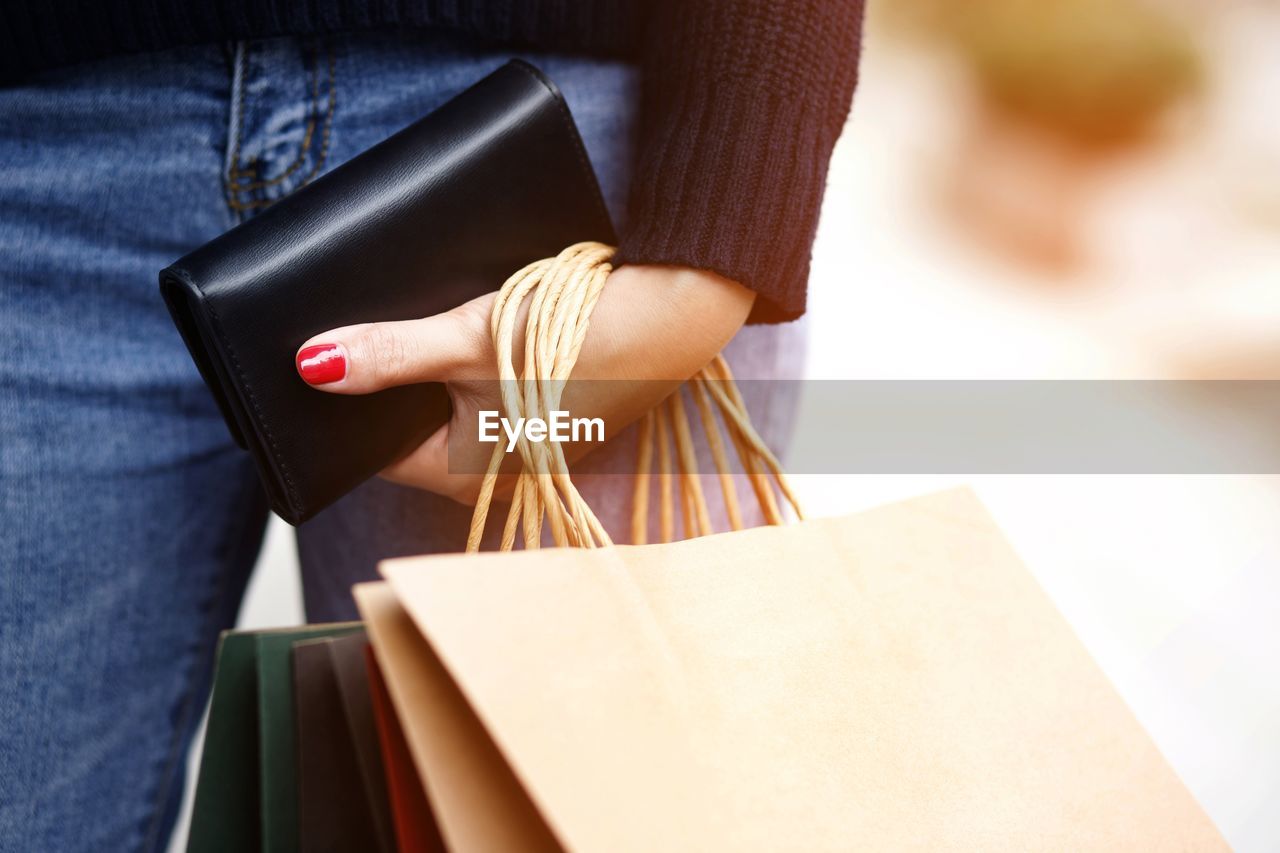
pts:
[743, 103]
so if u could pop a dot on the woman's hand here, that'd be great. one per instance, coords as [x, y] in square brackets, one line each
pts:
[653, 328]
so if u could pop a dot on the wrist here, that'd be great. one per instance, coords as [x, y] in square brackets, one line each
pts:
[662, 322]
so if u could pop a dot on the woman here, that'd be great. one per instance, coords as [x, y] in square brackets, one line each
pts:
[131, 132]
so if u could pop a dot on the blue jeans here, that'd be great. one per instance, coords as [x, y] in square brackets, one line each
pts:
[129, 522]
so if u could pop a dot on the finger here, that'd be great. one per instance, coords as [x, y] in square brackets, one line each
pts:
[428, 467]
[453, 472]
[372, 356]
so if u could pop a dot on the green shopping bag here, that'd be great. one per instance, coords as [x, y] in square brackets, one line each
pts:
[247, 785]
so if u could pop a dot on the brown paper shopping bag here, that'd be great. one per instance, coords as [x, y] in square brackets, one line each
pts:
[895, 679]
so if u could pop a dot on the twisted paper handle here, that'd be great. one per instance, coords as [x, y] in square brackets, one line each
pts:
[563, 291]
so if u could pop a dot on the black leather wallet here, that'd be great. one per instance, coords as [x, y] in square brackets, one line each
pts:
[436, 215]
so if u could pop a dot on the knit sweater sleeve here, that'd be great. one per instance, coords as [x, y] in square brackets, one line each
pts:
[743, 102]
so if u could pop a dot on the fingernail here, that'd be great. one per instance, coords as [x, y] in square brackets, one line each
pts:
[321, 364]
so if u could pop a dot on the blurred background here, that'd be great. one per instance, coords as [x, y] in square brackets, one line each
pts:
[1071, 189]
[1086, 189]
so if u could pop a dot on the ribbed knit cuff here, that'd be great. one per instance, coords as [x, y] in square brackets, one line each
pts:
[743, 105]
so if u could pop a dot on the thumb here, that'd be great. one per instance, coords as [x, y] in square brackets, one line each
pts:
[372, 356]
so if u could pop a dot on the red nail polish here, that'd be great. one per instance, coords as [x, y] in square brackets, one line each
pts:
[322, 363]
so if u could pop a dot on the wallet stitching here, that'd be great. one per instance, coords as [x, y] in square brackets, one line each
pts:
[257, 412]
[584, 162]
